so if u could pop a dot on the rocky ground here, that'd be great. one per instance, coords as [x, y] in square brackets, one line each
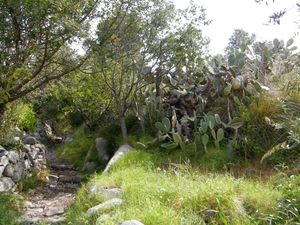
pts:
[48, 202]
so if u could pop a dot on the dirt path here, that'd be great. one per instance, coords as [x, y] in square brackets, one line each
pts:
[48, 202]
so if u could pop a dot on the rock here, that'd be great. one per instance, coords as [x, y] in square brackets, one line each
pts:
[109, 204]
[1, 170]
[3, 152]
[66, 179]
[101, 146]
[15, 172]
[4, 160]
[27, 164]
[13, 156]
[8, 171]
[52, 177]
[30, 140]
[110, 193]
[19, 172]
[27, 148]
[6, 184]
[130, 222]
[100, 220]
[2, 149]
[121, 151]
[78, 178]
[53, 210]
[89, 166]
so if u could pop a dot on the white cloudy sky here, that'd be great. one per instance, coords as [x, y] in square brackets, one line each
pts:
[228, 15]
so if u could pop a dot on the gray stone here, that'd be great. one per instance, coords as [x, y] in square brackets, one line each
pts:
[33, 153]
[9, 171]
[13, 156]
[4, 160]
[78, 178]
[53, 210]
[52, 177]
[89, 166]
[130, 222]
[1, 170]
[107, 205]
[2, 149]
[64, 178]
[6, 184]
[101, 146]
[41, 147]
[110, 193]
[30, 140]
[18, 172]
[3, 153]
[121, 151]
[27, 164]
[27, 148]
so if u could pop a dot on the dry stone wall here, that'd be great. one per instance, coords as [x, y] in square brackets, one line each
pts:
[17, 163]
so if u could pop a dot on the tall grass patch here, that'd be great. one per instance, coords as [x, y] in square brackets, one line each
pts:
[174, 195]
[76, 150]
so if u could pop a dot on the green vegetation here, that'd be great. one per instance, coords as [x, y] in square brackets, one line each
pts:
[201, 125]
[9, 209]
[158, 192]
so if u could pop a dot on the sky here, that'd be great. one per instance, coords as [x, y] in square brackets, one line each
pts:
[252, 17]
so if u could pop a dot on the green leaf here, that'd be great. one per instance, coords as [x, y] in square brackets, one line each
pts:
[220, 134]
[236, 100]
[267, 53]
[289, 42]
[175, 92]
[204, 126]
[197, 137]
[276, 42]
[140, 146]
[236, 123]
[176, 138]
[163, 138]
[231, 59]
[227, 89]
[161, 127]
[217, 118]
[205, 139]
[211, 121]
[169, 145]
[166, 122]
[213, 134]
[294, 48]
[243, 47]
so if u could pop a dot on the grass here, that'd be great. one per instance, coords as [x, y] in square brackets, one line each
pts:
[76, 150]
[158, 194]
[9, 209]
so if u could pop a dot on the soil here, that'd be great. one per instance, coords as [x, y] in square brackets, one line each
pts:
[48, 202]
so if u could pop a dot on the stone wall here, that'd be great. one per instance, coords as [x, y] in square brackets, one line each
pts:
[17, 163]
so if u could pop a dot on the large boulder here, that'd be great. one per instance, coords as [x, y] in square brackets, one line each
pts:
[101, 146]
[121, 151]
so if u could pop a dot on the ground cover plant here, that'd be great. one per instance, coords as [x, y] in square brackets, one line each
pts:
[158, 192]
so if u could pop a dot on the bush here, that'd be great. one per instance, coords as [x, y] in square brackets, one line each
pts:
[18, 115]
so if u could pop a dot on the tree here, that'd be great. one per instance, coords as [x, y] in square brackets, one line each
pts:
[143, 36]
[277, 16]
[238, 37]
[35, 39]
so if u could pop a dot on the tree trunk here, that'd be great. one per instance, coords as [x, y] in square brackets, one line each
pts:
[123, 126]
